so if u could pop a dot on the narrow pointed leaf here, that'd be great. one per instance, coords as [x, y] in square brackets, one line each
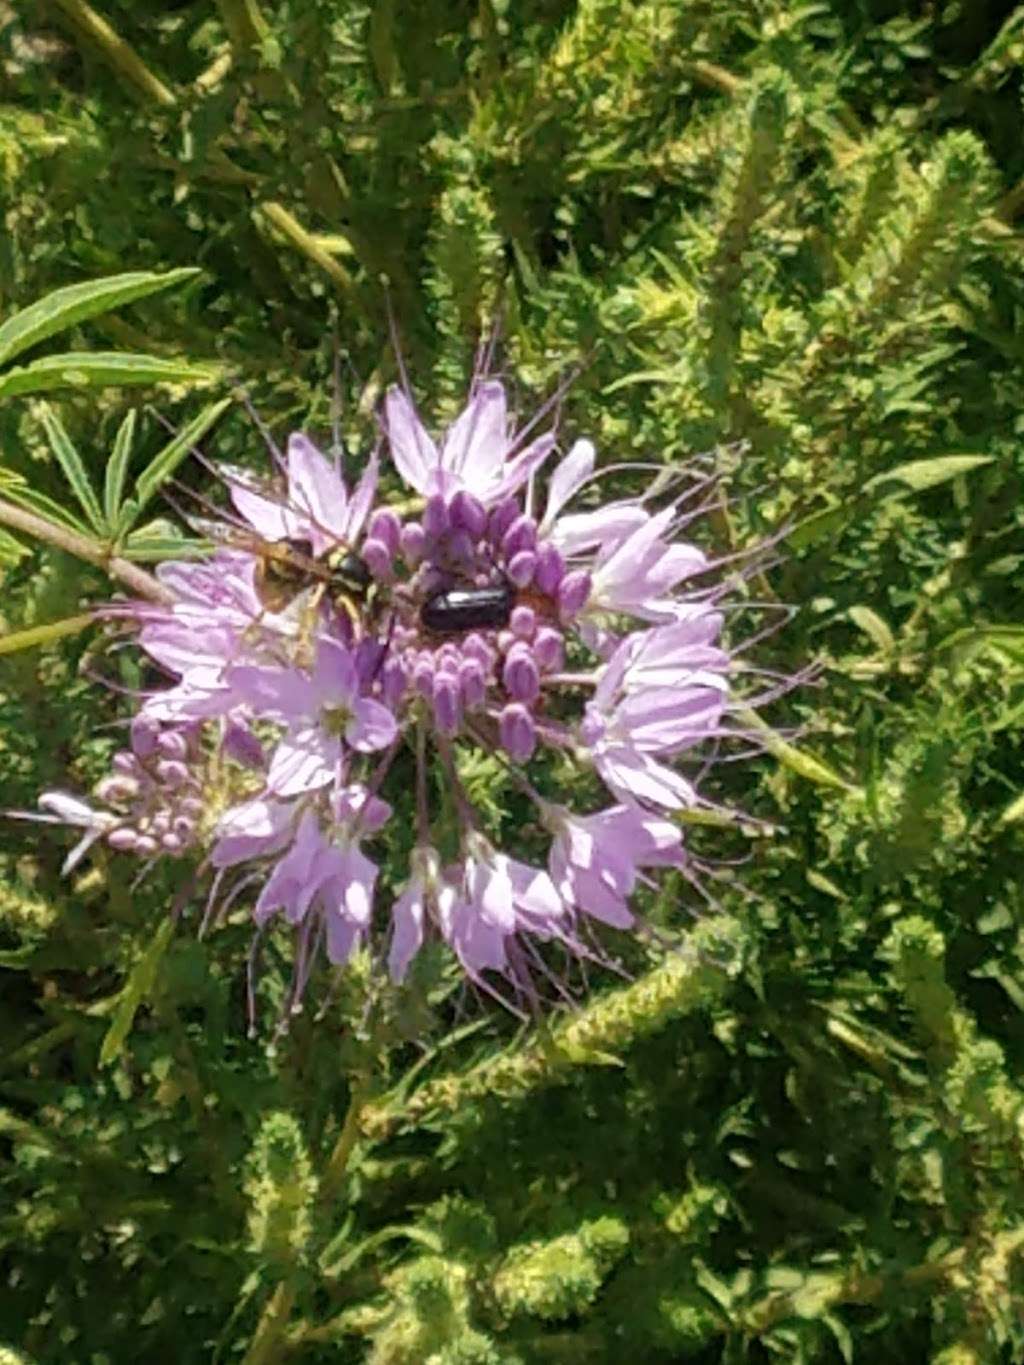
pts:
[799, 761]
[30, 498]
[65, 307]
[163, 465]
[139, 985]
[74, 469]
[117, 469]
[921, 474]
[44, 635]
[97, 369]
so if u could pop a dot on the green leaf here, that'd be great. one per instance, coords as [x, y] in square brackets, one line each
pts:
[117, 469]
[27, 496]
[74, 470]
[820, 525]
[873, 627]
[139, 985]
[92, 370]
[161, 540]
[163, 465]
[1013, 812]
[11, 551]
[43, 635]
[65, 307]
[799, 761]
[921, 474]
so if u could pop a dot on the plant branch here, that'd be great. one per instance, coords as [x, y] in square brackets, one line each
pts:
[82, 547]
[121, 56]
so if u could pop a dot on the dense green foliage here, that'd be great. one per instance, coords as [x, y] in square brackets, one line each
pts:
[787, 226]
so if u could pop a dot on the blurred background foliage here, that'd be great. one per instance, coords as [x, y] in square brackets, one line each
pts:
[791, 226]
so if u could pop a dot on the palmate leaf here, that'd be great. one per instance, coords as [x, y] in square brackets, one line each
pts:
[95, 369]
[65, 307]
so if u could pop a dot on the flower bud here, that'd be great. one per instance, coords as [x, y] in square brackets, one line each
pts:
[501, 518]
[521, 675]
[172, 744]
[393, 679]
[521, 535]
[413, 540]
[517, 732]
[172, 773]
[523, 622]
[145, 733]
[447, 703]
[520, 568]
[385, 526]
[467, 514]
[550, 569]
[573, 592]
[423, 676]
[116, 788]
[124, 839]
[376, 557]
[472, 683]
[145, 845]
[549, 649]
[435, 517]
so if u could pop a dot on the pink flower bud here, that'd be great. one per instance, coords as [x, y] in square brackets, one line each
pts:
[520, 567]
[517, 732]
[435, 516]
[573, 592]
[447, 703]
[501, 518]
[549, 649]
[385, 526]
[467, 514]
[550, 569]
[172, 744]
[413, 541]
[523, 622]
[172, 773]
[393, 679]
[376, 557]
[521, 535]
[521, 675]
[472, 683]
[123, 839]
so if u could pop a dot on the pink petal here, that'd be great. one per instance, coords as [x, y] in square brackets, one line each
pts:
[519, 469]
[407, 916]
[316, 492]
[412, 450]
[303, 761]
[569, 477]
[372, 726]
[476, 443]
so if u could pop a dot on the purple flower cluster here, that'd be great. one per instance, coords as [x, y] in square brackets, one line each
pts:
[303, 716]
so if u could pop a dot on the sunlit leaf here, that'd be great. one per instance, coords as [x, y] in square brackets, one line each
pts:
[73, 467]
[163, 465]
[117, 469]
[97, 369]
[137, 988]
[66, 307]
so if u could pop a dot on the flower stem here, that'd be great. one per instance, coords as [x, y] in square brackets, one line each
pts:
[83, 547]
[337, 1163]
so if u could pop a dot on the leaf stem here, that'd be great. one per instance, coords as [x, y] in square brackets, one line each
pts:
[63, 538]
